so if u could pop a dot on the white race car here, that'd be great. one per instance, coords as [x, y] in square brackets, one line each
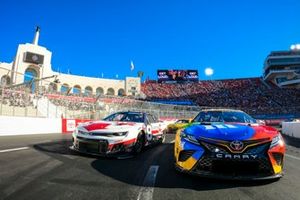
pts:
[118, 133]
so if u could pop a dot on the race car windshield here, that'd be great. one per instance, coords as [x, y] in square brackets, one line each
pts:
[182, 121]
[224, 116]
[126, 117]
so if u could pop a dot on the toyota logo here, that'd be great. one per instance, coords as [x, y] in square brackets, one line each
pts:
[237, 145]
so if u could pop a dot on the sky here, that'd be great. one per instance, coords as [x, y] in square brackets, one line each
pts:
[95, 37]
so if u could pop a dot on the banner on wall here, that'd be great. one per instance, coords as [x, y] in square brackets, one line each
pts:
[69, 125]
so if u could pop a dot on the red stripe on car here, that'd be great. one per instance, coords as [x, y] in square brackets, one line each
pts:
[96, 126]
[155, 131]
[127, 142]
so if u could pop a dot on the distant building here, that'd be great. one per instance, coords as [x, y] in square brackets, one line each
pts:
[33, 62]
[283, 67]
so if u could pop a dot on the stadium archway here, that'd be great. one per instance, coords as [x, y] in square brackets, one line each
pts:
[110, 91]
[121, 92]
[64, 88]
[5, 80]
[76, 89]
[88, 90]
[99, 91]
[30, 75]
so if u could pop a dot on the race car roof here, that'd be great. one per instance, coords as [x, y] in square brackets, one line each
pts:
[220, 109]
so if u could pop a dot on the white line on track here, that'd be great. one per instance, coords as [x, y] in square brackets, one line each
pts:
[146, 192]
[290, 156]
[15, 149]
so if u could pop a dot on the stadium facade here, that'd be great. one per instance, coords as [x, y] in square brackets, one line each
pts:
[33, 62]
[283, 67]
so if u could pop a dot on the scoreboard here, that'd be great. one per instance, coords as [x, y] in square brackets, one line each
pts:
[177, 76]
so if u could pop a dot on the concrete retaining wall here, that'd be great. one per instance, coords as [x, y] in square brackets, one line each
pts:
[291, 129]
[29, 125]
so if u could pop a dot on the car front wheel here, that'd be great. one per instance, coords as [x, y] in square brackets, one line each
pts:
[139, 144]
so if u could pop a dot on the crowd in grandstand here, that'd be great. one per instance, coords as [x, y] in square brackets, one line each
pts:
[16, 97]
[251, 94]
[22, 97]
[72, 101]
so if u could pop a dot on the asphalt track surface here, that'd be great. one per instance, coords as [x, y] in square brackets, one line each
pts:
[42, 167]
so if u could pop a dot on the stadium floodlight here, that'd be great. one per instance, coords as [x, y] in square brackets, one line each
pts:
[209, 71]
[293, 47]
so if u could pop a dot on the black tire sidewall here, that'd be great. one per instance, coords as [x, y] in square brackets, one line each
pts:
[140, 140]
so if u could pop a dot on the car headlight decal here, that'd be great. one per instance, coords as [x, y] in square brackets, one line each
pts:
[276, 141]
[189, 138]
[120, 134]
[105, 134]
[81, 132]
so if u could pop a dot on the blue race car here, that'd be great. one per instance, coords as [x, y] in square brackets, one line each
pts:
[229, 144]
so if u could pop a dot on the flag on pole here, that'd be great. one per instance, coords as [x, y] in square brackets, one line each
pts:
[131, 66]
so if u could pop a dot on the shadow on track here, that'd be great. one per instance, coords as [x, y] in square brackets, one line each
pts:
[60, 147]
[133, 170]
[167, 177]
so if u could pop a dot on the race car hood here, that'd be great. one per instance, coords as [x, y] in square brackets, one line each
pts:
[229, 132]
[109, 126]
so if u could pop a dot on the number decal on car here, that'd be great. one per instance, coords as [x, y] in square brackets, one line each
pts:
[149, 132]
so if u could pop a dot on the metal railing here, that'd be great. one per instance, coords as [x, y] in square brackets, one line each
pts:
[21, 102]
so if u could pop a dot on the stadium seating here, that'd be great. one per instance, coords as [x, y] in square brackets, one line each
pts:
[251, 95]
[72, 102]
[17, 102]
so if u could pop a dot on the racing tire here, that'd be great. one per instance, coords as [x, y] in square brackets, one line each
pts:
[162, 139]
[139, 144]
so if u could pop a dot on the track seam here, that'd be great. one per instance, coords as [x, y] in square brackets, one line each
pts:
[146, 191]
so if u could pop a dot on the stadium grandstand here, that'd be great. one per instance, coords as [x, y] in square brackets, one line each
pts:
[29, 87]
[252, 95]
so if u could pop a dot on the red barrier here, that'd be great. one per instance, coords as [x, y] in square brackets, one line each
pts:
[273, 122]
[69, 125]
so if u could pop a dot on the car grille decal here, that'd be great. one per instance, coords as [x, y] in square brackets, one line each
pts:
[228, 144]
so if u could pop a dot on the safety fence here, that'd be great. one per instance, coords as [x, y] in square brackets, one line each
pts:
[34, 97]
[21, 102]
